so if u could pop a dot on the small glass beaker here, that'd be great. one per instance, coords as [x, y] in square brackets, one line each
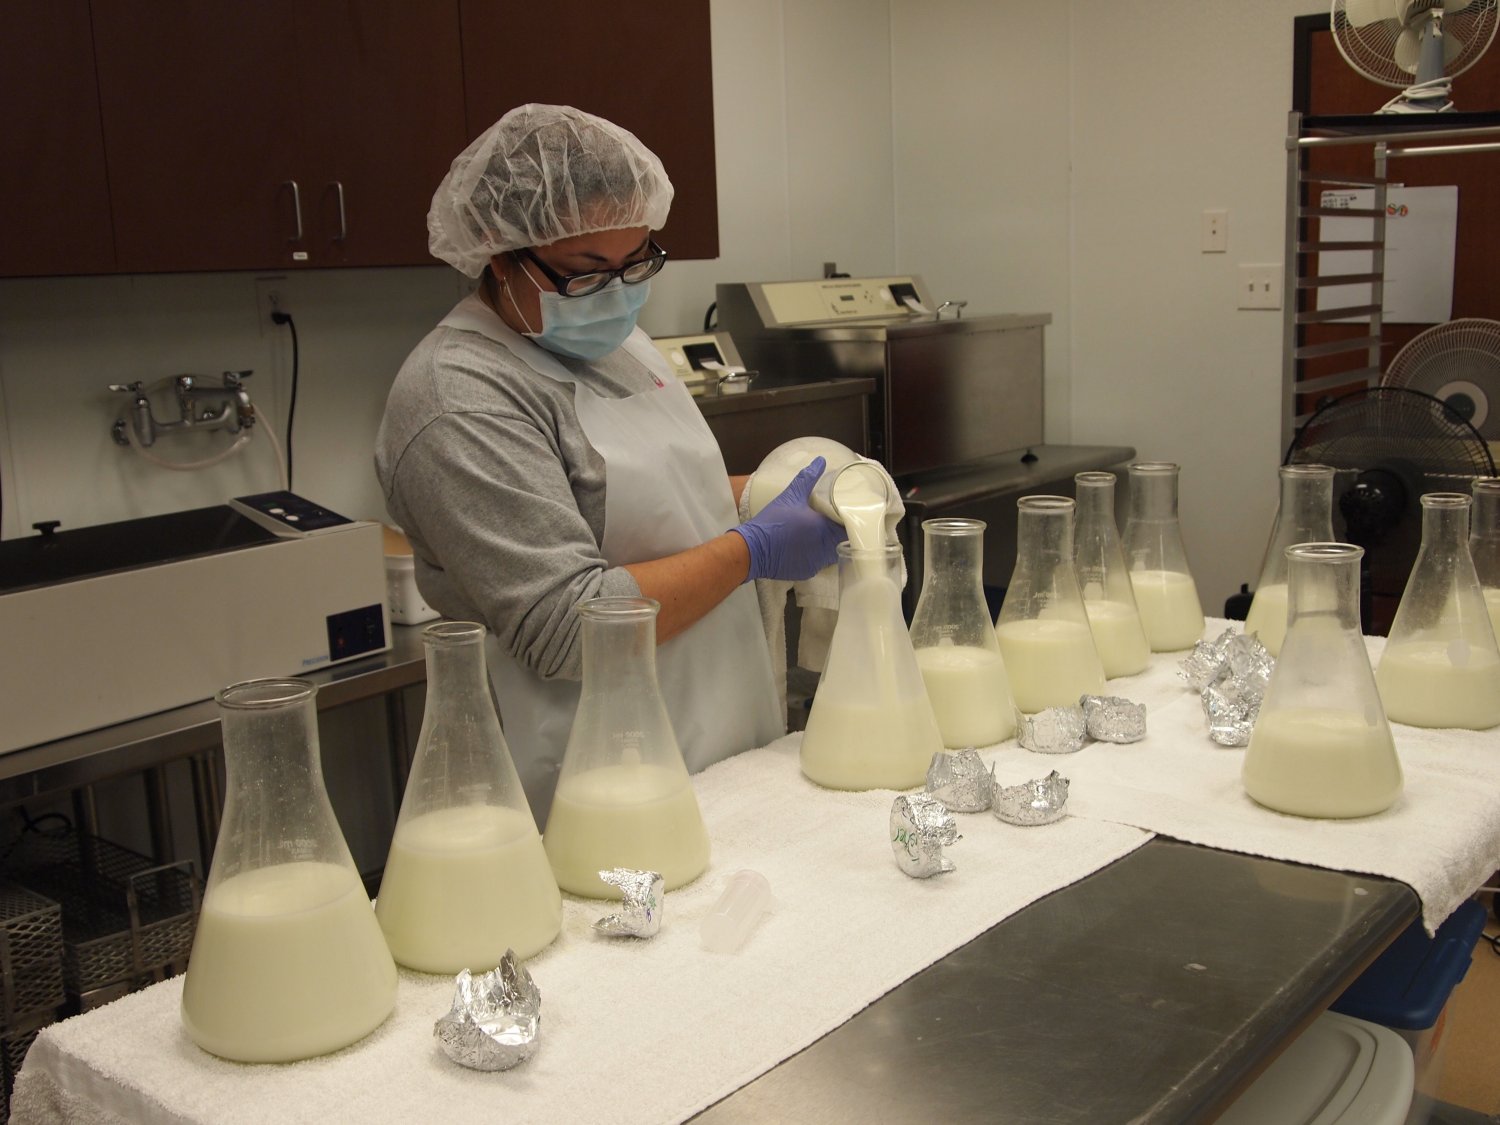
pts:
[1304, 515]
[1042, 627]
[288, 960]
[956, 648]
[1321, 746]
[871, 725]
[1165, 592]
[1441, 667]
[623, 796]
[466, 877]
[1104, 578]
[1484, 543]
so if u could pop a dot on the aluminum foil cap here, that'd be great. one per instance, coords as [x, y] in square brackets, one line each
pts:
[1111, 718]
[1057, 730]
[920, 826]
[961, 780]
[496, 1019]
[642, 895]
[1039, 801]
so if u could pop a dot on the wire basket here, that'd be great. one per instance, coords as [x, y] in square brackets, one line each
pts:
[125, 920]
[13, 1048]
[31, 976]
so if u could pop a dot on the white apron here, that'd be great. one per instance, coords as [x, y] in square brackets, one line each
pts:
[665, 491]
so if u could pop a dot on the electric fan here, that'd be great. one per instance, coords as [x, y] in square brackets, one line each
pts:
[1458, 362]
[1415, 45]
[1390, 445]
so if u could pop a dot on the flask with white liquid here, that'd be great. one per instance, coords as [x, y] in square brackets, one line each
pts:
[871, 725]
[1321, 746]
[955, 644]
[1165, 592]
[288, 960]
[1441, 666]
[1484, 543]
[1104, 579]
[1043, 629]
[466, 877]
[623, 796]
[1304, 515]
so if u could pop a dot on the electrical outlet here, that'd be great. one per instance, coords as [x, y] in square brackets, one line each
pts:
[270, 296]
[1260, 287]
[1214, 237]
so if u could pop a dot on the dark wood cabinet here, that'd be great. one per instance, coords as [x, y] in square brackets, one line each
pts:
[54, 196]
[145, 136]
[276, 135]
[647, 67]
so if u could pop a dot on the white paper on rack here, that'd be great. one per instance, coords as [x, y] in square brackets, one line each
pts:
[1421, 231]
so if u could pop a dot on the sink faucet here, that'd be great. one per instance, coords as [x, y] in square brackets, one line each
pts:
[235, 410]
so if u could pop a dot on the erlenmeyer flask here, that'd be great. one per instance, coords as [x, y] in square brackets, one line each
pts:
[955, 644]
[1322, 746]
[466, 877]
[871, 725]
[1042, 627]
[1484, 543]
[1441, 667]
[1105, 580]
[1165, 592]
[623, 796]
[288, 961]
[1304, 515]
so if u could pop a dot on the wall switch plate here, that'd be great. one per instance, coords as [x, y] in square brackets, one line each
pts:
[1260, 286]
[1214, 237]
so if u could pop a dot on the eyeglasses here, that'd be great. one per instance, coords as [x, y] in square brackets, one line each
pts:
[582, 284]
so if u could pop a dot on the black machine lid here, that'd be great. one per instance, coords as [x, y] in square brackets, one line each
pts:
[65, 556]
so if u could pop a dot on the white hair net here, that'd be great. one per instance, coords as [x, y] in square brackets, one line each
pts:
[541, 173]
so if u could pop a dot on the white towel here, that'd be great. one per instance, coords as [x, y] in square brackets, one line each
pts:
[632, 1031]
[1442, 836]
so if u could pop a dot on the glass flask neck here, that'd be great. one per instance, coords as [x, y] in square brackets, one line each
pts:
[1303, 515]
[1445, 521]
[619, 644]
[1095, 494]
[1153, 490]
[1484, 531]
[953, 551]
[951, 606]
[456, 665]
[1323, 582]
[856, 565]
[1044, 528]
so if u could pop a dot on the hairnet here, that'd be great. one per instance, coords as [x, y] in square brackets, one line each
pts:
[541, 173]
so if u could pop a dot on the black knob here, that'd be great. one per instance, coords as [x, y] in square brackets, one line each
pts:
[47, 527]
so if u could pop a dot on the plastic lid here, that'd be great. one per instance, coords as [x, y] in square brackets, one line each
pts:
[1408, 985]
[1340, 1071]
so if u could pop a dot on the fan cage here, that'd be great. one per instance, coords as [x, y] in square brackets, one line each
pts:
[1371, 48]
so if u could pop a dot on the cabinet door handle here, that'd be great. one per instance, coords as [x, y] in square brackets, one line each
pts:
[297, 204]
[343, 217]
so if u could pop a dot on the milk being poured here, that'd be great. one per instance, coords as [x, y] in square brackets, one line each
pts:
[625, 815]
[283, 964]
[467, 883]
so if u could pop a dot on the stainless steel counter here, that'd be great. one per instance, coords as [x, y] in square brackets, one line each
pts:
[1153, 991]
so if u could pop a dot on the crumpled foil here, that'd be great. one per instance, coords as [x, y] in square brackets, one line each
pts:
[1039, 801]
[1231, 674]
[961, 781]
[496, 1018]
[641, 894]
[1057, 730]
[920, 826]
[1111, 718]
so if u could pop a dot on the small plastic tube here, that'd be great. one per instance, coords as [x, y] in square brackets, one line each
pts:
[747, 895]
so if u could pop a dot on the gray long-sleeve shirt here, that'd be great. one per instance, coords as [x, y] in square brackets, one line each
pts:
[487, 470]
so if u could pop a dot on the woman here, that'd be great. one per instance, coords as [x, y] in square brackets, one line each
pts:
[538, 451]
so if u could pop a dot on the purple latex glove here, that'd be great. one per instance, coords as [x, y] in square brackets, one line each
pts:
[788, 540]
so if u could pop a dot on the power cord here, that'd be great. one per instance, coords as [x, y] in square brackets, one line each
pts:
[279, 317]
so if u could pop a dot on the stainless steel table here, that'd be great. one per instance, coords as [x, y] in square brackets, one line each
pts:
[1152, 991]
[145, 745]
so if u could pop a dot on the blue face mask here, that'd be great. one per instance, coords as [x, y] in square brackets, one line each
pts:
[592, 326]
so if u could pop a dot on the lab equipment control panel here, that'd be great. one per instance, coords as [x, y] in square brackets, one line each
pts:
[703, 361]
[843, 298]
[286, 514]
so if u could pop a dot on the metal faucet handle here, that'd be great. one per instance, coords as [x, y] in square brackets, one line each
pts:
[957, 307]
[128, 388]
